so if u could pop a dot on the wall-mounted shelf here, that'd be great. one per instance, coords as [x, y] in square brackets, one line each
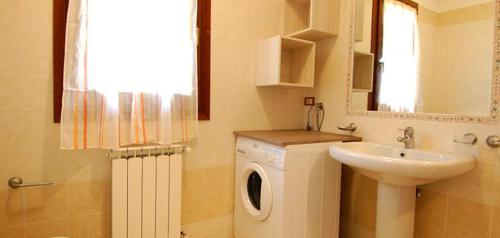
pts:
[311, 19]
[363, 72]
[287, 62]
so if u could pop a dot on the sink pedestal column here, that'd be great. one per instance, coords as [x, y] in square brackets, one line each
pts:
[395, 211]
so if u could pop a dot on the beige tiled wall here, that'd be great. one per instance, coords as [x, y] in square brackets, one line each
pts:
[78, 202]
[78, 205]
[465, 206]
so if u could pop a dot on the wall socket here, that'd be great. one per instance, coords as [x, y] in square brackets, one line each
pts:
[309, 101]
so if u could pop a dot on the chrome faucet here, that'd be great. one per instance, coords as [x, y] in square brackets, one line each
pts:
[409, 138]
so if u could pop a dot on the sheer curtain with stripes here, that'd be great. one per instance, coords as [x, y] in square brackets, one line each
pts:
[129, 73]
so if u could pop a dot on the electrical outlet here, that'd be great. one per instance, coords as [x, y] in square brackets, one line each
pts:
[309, 101]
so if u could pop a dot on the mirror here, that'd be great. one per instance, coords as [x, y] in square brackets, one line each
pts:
[423, 56]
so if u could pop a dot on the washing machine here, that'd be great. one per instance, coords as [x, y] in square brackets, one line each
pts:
[285, 192]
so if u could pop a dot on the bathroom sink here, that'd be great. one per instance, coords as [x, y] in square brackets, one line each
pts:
[398, 172]
[397, 166]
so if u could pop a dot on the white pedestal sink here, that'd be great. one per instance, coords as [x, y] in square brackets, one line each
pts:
[398, 172]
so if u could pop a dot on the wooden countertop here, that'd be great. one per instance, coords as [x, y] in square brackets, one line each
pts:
[295, 137]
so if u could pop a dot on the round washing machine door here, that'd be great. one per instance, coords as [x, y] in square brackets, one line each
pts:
[255, 190]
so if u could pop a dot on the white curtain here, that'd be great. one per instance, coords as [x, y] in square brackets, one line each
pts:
[399, 89]
[130, 73]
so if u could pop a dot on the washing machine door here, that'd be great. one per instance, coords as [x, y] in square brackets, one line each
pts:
[255, 190]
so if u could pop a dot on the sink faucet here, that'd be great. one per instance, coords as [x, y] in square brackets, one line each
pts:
[409, 138]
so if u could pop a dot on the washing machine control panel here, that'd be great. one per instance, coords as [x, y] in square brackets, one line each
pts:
[263, 153]
[274, 158]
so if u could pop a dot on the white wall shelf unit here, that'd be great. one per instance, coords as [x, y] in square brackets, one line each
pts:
[363, 72]
[311, 19]
[287, 62]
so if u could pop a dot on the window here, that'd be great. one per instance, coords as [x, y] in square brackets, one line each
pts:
[395, 43]
[60, 9]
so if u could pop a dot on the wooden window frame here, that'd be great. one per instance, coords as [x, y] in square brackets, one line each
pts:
[377, 42]
[60, 12]
[204, 32]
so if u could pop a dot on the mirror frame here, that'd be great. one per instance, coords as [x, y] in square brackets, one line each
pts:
[495, 84]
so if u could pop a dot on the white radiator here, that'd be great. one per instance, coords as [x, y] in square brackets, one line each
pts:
[146, 197]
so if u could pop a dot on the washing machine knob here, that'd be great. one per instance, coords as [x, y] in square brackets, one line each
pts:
[277, 162]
